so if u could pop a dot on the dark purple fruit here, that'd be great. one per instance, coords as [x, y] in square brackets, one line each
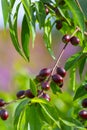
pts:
[66, 38]
[83, 114]
[3, 114]
[57, 79]
[40, 78]
[45, 72]
[84, 102]
[58, 24]
[29, 94]
[20, 94]
[45, 85]
[45, 96]
[2, 102]
[61, 71]
[74, 40]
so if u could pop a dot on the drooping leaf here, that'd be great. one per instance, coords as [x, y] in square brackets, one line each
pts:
[48, 110]
[33, 87]
[83, 6]
[13, 31]
[40, 13]
[33, 120]
[12, 3]
[72, 123]
[18, 112]
[63, 15]
[81, 66]
[5, 11]
[78, 16]
[80, 92]
[73, 60]
[29, 10]
[48, 38]
[73, 78]
[25, 36]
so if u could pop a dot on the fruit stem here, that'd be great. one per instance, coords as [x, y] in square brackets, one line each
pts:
[76, 30]
[61, 53]
[58, 59]
[8, 103]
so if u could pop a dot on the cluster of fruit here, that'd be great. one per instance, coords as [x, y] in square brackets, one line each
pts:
[3, 113]
[83, 113]
[45, 77]
[66, 38]
[73, 40]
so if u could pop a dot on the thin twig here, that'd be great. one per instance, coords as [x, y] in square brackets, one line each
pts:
[61, 53]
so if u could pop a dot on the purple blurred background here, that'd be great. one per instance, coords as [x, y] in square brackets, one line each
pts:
[11, 62]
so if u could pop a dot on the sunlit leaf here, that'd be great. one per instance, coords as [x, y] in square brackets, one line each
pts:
[33, 87]
[52, 115]
[32, 118]
[18, 112]
[5, 10]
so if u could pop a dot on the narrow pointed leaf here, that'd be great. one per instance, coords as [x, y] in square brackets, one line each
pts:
[79, 18]
[18, 112]
[83, 6]
[73, 60]
[33, 87]
[80, 92]
[25, 36]
[5, 11]
[33, 120]
[13, 31]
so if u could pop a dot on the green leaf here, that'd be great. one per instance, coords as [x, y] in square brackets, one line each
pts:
[77, 14]
[46, 1]
[40, 13]
[83, 6]
[48, 38]
[48, 110]
[5, 11]
[31, 18]
[73, 60]
[55, 88]
[18, 112]
[12, 3]
[39, 100]
[13, 31]
[33, 87]
[63, 15]
[81, 66]
[80, 92]
[71, 123]
[73, 78]
[33, 120]
[13, 37]
[25, 36]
